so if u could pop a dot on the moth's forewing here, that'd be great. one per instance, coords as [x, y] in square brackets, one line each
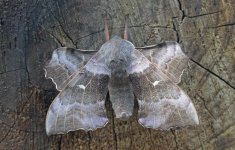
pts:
[81, 103]
[162, 104]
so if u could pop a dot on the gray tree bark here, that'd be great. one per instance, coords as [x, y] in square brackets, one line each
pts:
[31, 29]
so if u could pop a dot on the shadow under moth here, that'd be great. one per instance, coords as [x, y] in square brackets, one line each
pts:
[151, 73]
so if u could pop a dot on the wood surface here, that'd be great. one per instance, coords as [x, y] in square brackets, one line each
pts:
[31, 29]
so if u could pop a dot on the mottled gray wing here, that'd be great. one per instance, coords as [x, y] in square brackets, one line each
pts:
[81, 104]
[162, 104]
[169, 57]
[63, 64]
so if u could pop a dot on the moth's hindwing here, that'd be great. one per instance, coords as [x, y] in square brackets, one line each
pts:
[169, 57]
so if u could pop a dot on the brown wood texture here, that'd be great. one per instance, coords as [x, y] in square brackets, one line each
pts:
[31, 29]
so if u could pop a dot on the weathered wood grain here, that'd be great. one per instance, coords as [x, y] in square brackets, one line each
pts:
[31, 29]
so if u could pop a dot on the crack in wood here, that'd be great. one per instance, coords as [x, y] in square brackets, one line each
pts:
[204, 103]
[182, 11]
[114, 132]
[52, 36]
[223, 25]
[175, 138]
[60, 142]
[208, 70]
[205, 14]
[93, 33]
[90, 138]
[176, 31]
[5, 136]
[14, 70]
[221, 132]
[63, 30]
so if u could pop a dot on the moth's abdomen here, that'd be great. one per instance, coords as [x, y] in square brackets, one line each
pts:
[121, 97]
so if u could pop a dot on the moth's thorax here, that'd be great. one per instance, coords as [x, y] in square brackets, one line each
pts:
[117, 55]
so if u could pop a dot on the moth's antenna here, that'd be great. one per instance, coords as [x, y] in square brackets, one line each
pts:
[126, 27]
[106, 30]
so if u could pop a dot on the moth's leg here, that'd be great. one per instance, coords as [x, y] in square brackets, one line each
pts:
[126, 28]
[106, 30]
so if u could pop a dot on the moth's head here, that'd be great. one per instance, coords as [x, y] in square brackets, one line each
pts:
[117, 54]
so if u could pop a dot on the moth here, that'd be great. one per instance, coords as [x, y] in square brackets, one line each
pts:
[151, 74]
